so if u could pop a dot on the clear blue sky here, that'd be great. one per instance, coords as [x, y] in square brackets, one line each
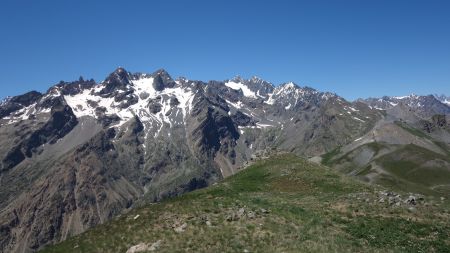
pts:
[355, 48]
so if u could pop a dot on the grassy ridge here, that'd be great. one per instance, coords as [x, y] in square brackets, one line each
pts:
[416, 169]
[282, 204]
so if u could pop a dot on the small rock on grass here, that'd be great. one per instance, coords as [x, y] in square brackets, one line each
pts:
[144, 247]
[155, 245]
[180, 228]
[141, 247]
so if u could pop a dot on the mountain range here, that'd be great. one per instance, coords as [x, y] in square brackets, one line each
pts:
[84, 152]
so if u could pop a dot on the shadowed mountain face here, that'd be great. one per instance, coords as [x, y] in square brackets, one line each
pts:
[84, 152]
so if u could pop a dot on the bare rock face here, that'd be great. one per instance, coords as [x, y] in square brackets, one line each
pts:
[162, 80]
[242, 120]
[116, 81]
[84, 152]
[436, 122]
[19, 102]
[62, 121]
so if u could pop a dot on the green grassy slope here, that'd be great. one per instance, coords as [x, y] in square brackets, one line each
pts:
[282, 204]
[408, 168]
[416, 169]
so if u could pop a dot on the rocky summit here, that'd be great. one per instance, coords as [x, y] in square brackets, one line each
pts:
[84, 152]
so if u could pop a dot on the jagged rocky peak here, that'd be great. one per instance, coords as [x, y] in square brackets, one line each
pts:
[250, 88]
[413, 100]
[292, 86]
[14, 104]
[72, 88]
[260, 86]
[120, 72]
[425, 106]
[27, 98]
[238, 79]
[239, 84]
[289, 85]
[257, 79]
[182, 79]
[185, 82]
[162, 80]
[253, 81]
[118, 75]
[289, 88]
[119, 79]
[5, 100]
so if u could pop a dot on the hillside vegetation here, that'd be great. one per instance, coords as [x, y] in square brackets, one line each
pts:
[281, 204]
[399, 156]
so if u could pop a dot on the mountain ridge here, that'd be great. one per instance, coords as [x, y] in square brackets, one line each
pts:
[94, 150]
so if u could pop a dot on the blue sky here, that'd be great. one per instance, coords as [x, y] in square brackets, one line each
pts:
[354, 48]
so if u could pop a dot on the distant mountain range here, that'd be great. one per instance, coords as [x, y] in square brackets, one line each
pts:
[444, 99]
[84, 152]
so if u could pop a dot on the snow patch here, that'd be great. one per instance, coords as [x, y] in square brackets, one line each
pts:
[83, 104]
[259, 125]
[270, 101]
[358, 139]
[240, 86]
[289, 85]
[358, 119]
[237, 105]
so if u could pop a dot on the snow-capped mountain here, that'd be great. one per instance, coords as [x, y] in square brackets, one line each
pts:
[83, 151]
[444, 99]
[425, 106]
